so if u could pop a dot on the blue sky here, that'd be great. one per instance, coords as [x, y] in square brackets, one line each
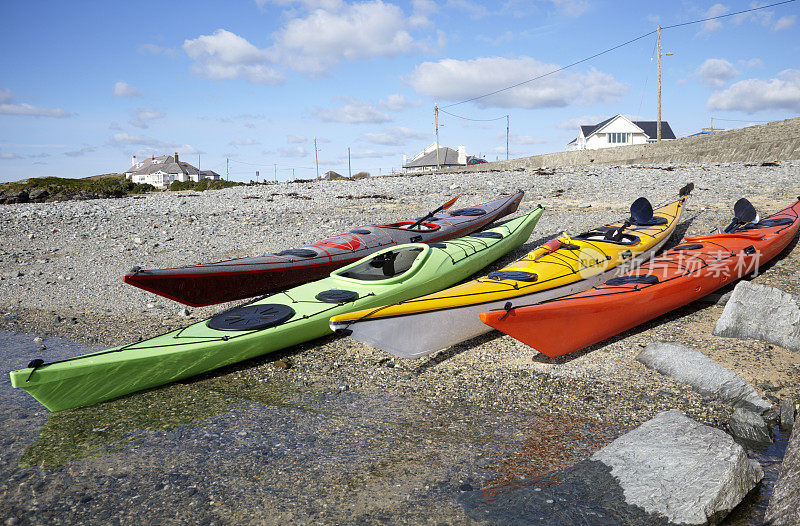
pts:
[87, 84]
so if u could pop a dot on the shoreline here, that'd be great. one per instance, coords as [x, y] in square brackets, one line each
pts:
[72, 256]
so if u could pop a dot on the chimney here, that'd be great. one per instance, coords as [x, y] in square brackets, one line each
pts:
[133, 161]
[462, 155]
[176, 157]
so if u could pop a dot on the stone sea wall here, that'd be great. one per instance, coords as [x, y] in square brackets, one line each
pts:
[776, 141]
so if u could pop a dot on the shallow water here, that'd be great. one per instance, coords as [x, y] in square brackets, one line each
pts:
[225, 448]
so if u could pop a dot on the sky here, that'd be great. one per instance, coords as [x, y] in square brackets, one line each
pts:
[246, 86]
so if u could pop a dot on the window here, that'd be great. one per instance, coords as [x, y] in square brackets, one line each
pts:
[619, 138]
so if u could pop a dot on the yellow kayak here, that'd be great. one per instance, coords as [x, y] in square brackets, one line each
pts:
[560, 267]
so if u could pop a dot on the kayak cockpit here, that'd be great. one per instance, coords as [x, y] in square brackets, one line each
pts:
[386, 265]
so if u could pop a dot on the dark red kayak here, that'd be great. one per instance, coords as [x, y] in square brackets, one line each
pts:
[234, 279]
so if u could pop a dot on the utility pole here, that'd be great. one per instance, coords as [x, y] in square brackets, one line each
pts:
[349, 170]
[316, 157]
[506, 137]
[436, 119]
[292, 174]
[276, 173]
[658, 122]
[227, 172]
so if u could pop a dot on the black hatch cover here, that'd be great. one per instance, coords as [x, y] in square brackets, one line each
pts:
[251, 317]
[337, 296]
[490, 235]
[646, 279]
[516, 275]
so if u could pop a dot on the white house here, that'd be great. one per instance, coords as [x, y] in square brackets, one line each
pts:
[163, 170]
[425, 161]
[619, 131]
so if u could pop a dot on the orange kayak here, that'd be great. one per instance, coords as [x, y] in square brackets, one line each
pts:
[681, 275]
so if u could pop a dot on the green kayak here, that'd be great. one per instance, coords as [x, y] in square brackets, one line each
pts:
[275, 322]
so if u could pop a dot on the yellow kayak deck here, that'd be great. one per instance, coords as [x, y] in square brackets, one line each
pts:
[546, 267]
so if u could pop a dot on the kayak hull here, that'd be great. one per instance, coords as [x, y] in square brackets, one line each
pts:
[222, 281]
[423, 325]
[204, 346]
[684, 275]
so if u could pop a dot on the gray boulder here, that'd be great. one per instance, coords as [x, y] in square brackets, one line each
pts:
[784, 506]
[749, 427]
[761, 313]
[702, 373]
[688, 472]
[787, 413]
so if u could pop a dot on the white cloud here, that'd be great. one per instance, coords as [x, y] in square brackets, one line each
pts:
[751, 63]
[352, 111]
[126, 139]
[709, 26]
[296, 139]
[752, 95]
[82, 151]
[370, 154]
[292, 151]
[360, 31]
[573, 8]
[473, 10]
[715, 72]
[7, 107]
[123, 89]
[523, 139]
[9, 156]
[586, 120]
[153, 49]
[784, 22]
[452, 79]
[32, 111]
[397, 102]
[393, 136]
[144, 115]
[225, 55]
[244, 142]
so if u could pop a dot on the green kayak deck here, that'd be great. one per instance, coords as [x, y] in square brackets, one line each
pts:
[275, 322]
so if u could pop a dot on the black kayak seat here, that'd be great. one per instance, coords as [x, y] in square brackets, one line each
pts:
[251, 317]
[643, 279]
[474, 211]
[653, 221]
[515, 275]
[766, 223]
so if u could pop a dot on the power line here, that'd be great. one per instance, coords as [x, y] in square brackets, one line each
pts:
[470, 119]
[631, 41]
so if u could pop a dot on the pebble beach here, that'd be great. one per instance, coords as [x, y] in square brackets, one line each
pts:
[377, 437]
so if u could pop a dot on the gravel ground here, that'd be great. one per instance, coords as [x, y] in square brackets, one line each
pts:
[371, 438]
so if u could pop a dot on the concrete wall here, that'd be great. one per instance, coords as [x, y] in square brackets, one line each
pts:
[775, 141]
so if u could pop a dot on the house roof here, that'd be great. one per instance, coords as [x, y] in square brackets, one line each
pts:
[447, 157]
[648, 127]
[164, 163]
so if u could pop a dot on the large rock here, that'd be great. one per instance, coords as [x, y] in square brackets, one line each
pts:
[702, 373]
[787, 414]
[688, 472]
[784, 506]
[749, 427]
[762, 313]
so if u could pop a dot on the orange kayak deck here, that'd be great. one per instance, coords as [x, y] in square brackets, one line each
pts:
[681, 275]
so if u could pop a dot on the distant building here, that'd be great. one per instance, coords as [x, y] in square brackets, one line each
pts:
[163, 170]
[426, 159]
[330, 175]
[619, 131]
